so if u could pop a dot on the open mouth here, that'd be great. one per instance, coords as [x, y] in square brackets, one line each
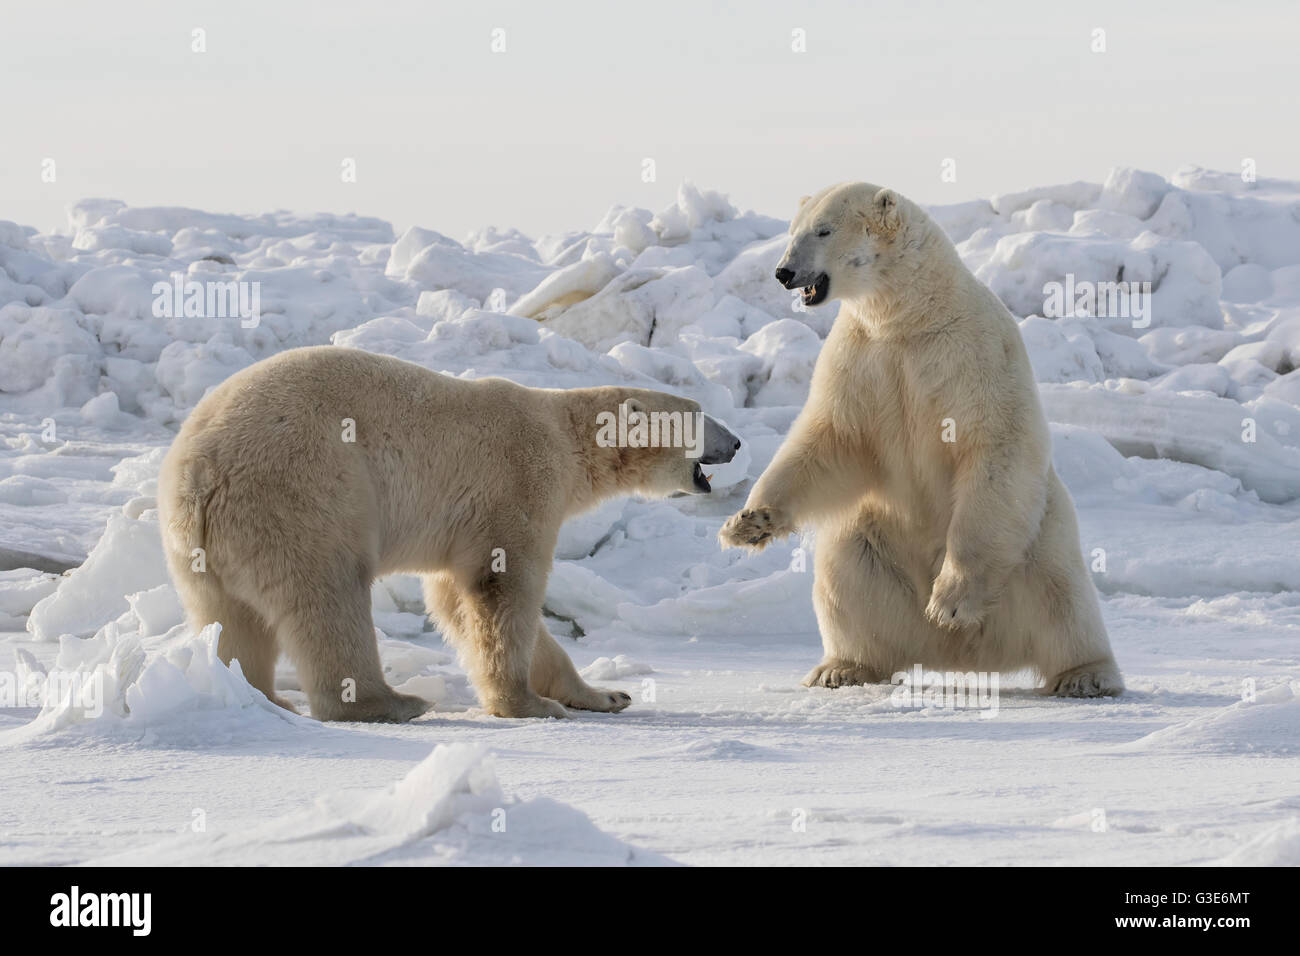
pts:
[816, 293]
[700, 480]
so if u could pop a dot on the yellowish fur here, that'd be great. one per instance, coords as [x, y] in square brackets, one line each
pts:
[960, 553]
[465, 482]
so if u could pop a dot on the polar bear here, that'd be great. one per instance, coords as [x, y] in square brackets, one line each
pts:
[923, 460]
[299, 480]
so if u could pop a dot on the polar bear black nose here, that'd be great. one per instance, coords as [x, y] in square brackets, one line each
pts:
[784, 276]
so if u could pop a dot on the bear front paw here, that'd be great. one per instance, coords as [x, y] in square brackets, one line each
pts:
[956, 603]
[753, 528]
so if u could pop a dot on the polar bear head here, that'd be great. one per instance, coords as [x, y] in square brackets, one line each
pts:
[662, 442]
[844, 242]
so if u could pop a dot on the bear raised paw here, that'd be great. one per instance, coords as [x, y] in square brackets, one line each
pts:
[301, 479]
[923, 459]
[754, 528]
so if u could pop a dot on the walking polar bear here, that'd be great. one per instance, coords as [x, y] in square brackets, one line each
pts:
[923, 459]
[299, 480]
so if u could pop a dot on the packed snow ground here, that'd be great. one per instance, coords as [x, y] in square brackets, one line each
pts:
[1191, 527]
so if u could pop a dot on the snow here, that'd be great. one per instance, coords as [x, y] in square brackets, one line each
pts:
[127, 559]
[1179, 440]
[448, 810]
[1276, 846]
[1268, 724]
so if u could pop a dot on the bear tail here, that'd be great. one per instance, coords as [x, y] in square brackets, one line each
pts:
[187, 523]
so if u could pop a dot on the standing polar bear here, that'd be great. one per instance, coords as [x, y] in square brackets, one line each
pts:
[299, 480]
[945, 537]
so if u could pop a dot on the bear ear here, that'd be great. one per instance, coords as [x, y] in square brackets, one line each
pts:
[803, 201]
[884, 208]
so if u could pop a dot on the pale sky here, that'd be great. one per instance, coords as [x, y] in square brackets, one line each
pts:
[545, 136]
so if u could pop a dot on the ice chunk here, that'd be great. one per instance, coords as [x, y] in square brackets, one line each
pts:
[127, 559]
[1133, 192]
[1207, 431]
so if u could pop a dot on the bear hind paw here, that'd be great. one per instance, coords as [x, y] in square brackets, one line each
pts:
[834, 673]
[1089, 680]
[598, 699]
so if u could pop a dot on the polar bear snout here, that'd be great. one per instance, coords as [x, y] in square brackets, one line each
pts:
[794, 279]
[720, 444]
[814, 286]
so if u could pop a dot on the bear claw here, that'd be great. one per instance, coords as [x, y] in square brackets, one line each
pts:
[953, 602]
[599, 699]
[832, 674]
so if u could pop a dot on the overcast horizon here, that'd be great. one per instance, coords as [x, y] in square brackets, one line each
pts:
[547, 134]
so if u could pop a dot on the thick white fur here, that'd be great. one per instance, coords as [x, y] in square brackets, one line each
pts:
[295, 523]
[961, 554]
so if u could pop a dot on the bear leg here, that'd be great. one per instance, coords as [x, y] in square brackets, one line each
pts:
[245, 636]
[871, 620]
[328, 633]
[1057, 610]
[494, 626]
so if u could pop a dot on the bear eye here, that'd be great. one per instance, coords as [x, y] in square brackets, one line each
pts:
[823, 233]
